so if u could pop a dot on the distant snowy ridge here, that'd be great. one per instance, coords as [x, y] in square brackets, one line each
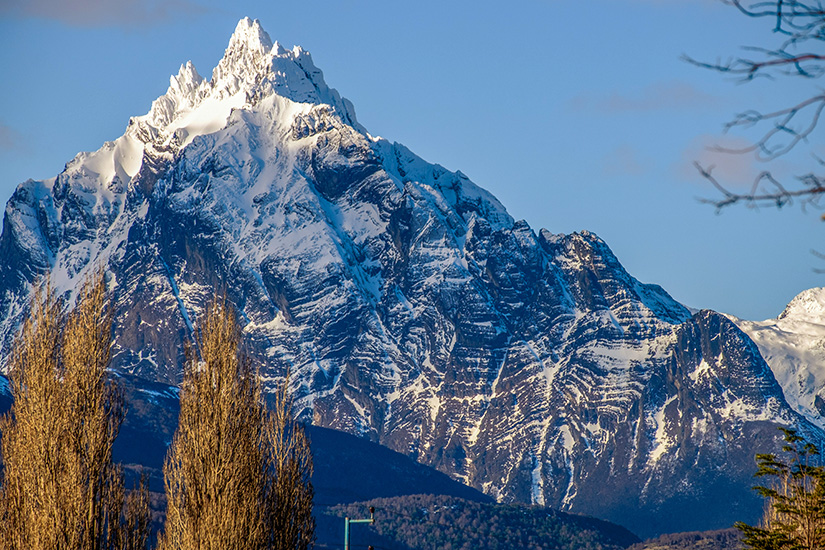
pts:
[793, 344]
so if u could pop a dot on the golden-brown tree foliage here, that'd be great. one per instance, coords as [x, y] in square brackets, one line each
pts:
[291, 525]
[228, 468]
[61, 489]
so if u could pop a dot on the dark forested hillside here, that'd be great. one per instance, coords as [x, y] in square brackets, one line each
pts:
[450, 523]
[722, 539]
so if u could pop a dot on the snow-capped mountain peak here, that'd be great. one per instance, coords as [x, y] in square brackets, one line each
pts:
[187, 82]
[251, 36]
[186, 90]
[793, 345]
[808, 306]
[252, 68]
[247, 61]
[252, 64]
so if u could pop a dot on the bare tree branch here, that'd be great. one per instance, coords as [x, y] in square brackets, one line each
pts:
[750, 69]
[783, 121]
[784, 129]
[766, 190]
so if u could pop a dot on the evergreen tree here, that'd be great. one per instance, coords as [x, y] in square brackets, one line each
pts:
[237, 477]
[60, 488]
[794, 516]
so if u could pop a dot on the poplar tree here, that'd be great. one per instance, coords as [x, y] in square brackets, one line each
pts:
[290, 523]
[61, 489]
[236, 475]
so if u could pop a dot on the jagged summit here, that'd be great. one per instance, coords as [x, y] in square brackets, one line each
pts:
[186, 82]
[250, 35]
[252, 69]
[186, 90]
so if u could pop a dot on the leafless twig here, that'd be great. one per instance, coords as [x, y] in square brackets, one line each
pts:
[766, 190]
[799, 22]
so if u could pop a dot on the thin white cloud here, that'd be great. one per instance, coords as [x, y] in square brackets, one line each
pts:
[10, 139]
[658, 96]
[734, 170]
[624, 160]
[97, 13]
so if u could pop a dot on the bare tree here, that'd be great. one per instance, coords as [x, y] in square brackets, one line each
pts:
[60, 488]
[800, 26]
[237, 477]
[291, 525]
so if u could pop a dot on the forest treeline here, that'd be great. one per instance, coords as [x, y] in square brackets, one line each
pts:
[452, 523]
[237, 473]
[720, 539]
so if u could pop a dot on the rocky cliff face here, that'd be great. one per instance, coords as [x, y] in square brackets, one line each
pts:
[406, 303]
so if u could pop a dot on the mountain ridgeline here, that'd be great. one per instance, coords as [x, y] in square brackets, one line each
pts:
[407, 305]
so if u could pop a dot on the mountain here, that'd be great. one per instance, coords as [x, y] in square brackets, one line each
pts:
[407, 305]
[793, 344]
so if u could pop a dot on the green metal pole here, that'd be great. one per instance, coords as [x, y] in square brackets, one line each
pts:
[346, 533]
[347, 521]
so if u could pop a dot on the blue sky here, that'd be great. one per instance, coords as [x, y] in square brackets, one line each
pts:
[575, 115]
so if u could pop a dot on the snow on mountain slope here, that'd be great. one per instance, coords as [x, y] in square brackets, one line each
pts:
[278, 99]
[793, 344]
[406, 303]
